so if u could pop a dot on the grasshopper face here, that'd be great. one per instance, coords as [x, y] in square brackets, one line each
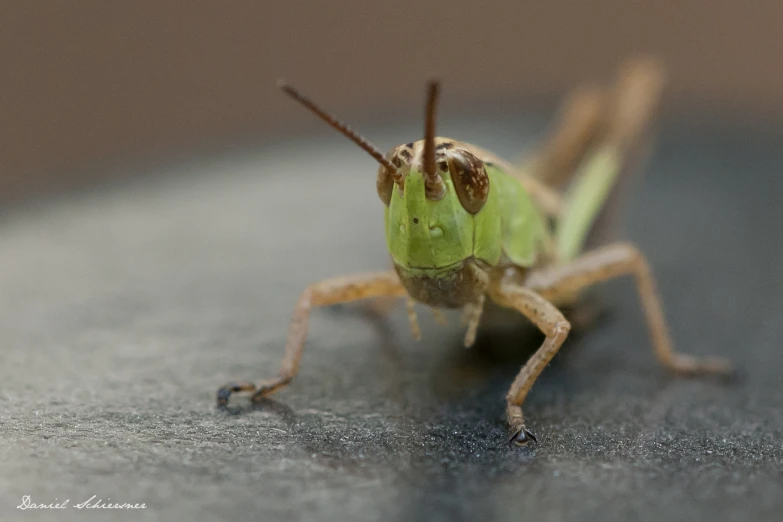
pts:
[430, 219]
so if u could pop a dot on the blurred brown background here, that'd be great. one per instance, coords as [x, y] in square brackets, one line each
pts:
[89, 84]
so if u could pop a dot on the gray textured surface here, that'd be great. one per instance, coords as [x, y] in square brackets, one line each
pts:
[122, 310]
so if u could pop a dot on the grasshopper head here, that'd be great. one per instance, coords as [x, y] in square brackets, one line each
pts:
[431, 195]
[433, 191]
[430, 216]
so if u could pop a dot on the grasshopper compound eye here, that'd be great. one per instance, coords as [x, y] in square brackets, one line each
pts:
[470, 179]
[385, 184]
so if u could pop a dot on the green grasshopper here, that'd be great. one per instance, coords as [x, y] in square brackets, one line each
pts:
[462, 225]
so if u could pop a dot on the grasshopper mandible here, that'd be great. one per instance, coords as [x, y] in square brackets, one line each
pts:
[462, 225]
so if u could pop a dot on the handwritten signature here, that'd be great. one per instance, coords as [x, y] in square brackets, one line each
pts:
[91, 503]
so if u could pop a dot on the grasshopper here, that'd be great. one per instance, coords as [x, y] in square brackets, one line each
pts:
[463, 225]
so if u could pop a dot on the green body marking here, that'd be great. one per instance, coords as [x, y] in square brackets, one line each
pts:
[585, 198]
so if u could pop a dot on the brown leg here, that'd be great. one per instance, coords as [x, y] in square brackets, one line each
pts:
[472, 318]
[591, 114]
[552, 323]
[635, 104]
[613, 261]
[577, 126]
[381, 306]
[413, 319]
[325, 293]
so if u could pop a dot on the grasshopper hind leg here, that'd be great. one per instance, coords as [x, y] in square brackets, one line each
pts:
[601, 180]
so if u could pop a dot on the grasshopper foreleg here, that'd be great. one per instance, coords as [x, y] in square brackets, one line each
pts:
[328, 292]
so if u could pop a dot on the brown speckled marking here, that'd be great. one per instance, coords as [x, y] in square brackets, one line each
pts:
[401, 156]
[468, 176]
[466, 170]
[414, 150]
[547, 199]
[470, 179]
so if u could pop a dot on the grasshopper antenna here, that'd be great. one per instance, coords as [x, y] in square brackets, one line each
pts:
[433, 184]
[342, 128]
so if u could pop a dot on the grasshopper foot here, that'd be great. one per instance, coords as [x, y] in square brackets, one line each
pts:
[259, 392]
[522, 437]
[224, 392]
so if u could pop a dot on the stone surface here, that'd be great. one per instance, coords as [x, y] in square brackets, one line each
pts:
[123, 309]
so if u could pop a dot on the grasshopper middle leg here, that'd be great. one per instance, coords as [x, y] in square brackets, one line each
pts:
[328, 292]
